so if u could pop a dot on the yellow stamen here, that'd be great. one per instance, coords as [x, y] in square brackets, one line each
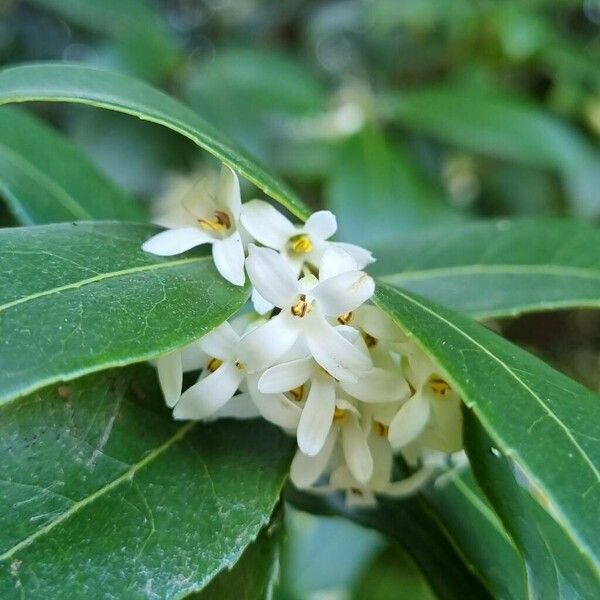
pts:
[219, 224]
[240, 365]
[339, 415]
[370, 341]
[381, 429]
[297, 393]
[302, 307]
[214, 364]
[439, 386]
[345, 318]
[301, 244]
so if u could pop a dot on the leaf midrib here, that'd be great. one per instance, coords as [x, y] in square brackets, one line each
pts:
[569, 530]
[102, 277]
[496, 269]
[127, 475]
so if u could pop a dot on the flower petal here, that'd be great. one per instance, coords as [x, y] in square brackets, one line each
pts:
[266, 224]
[410, 421]
[176, 241]
[261, 306]
[343, 293]
[332, 351]
[272, 276]
[276, 408]
[239, 407]
[317, 415]
[193, 357]
[356, 450]
[221, 342]
[228, 255]
[285, 376]
[321, 225]
[228, 192]
[262, 346]
[378, 385]
[207, 396]
[362, 256]
[305, 470]
[383, 460]
[335, 261]
[378, 324]
[410, 485]
[170, 376]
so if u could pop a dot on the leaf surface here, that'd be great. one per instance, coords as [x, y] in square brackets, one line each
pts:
[498, 269]
[81, 297]
[53, 82]
[104, 495]
[45, 179]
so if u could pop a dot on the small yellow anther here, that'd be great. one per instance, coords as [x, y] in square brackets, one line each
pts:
[301, 244]
[297, 393]
[214, 364]
[240, 365]
[439, 386]
[302, 307]
[339, 415]
[381, 429]
[370, 341]
[220, 223]
[345, 318]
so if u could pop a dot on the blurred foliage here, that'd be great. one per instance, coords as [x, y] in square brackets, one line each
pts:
[425, 112]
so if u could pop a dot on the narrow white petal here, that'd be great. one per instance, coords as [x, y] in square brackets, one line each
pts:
[261, 306]
[276, 408]
[362, 256]
[170, 376]
[335, 261]
[228, 255]
[378, 385]
[383, 459]
[262, 346]
[285, 376]
[410, 421]
[343, 293]
[410, 485]
[332, 351]
[272, 276]
[207, 396]
[306, 470]
[228, 192]
[356, 450]
[193, 357]
[378, 324]
[317, 415]
[321, 225]
[266, 224]
[176, 241]
[239, 407]
[221, 342]
[342, 479]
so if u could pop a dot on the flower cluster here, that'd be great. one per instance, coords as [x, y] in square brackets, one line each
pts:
[313, 357]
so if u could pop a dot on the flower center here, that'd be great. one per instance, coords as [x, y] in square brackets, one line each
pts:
[301, 244]
[302, 307]
[339, 415]
[439, 386]
[240, 365]
[370, 341]
[345, 318]
[381, 429]
[297, 393]
[220, 223]
[214, 364]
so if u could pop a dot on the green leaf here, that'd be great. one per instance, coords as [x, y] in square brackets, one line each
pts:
[477, 533]
[548, 424]
[500, 268]
[104, 495]
[377, 180]
[77, 298]
[47, 180]
[555, 568]
[255, 575]
[114, 91]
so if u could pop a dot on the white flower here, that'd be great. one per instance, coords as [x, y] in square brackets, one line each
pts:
[378, 385]
[214, 395]
[345, 428]
[305, 306]
[298, 244]
[432, 417]
[215, 222]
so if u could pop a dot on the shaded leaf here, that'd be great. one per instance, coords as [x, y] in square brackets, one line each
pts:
[81, 297]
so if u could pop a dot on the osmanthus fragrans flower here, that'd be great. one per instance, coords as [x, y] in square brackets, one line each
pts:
[212, 221]
[305, 305]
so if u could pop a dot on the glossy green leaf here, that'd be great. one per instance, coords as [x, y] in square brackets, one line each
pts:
[555, 568]
[81, 297]
[47, 180]
[104, 495]
[379, 181]
[500, 268]
[548, 424]
[114, 91]
[476, 531]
